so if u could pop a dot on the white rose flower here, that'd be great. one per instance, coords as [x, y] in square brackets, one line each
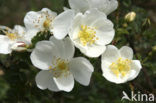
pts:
[91, 31]
[59, 68]
[118, 66]
[15, 39]
[47, 20]
[106, 6]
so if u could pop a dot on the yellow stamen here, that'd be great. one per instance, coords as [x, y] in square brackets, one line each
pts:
[121, 67]
[61, 68]
[12, 36]
[50, 67]
[87, 35]
[46, 23]
[62, 65]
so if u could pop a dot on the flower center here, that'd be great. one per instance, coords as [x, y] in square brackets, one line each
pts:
[12, 36]
[87, 35]
[121, 67]
[46, 23]
[61, 68]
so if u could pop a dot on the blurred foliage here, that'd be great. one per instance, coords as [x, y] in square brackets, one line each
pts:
[17, 75]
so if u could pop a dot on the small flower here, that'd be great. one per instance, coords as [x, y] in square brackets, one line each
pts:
[130, 16]
[118, 66]
[106, 6]
[47, 20]
[91, 32]
[15, 39]
[59, 68]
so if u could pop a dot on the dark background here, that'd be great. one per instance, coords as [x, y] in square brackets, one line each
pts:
[17, 84]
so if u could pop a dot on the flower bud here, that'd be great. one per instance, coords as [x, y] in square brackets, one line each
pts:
[154, 48]
[1, 72]
[19, 46]
[130, 16]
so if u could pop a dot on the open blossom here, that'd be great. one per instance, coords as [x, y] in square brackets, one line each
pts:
[118, 66]
[47, 20]
[106, 6]
[59, 68]
[15, 39]
[91, 31]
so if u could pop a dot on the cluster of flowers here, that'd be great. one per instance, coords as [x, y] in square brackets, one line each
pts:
[88, 29]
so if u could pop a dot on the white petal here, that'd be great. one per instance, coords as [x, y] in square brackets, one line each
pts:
[94, 51]
[65, 47]
[69, 48]
[91, 16]
[65, 8]
[126, 52]
[65, 83]
[34, 20]
[111, 54]
[44, 80]
[59, 44]
[106, 6]
[49, 12]
[81, 69]
[99, 4]
[79, 5]
[104, 31]
[62, 23]
[20, 30]
[111, 6]
[75, 27]
[43, 55]
[30, 34]
[5, 45]
[135, 69]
